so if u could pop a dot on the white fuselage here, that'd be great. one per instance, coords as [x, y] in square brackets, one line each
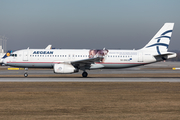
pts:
[42, 58]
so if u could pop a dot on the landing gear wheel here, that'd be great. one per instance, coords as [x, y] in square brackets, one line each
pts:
[25, 74]
[84, 74]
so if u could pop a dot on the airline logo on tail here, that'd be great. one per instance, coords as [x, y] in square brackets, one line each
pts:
[163, 35]
[160, 42]
[7, 54]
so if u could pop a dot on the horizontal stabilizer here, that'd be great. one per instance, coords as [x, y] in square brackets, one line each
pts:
[168, 53]
[165, 56]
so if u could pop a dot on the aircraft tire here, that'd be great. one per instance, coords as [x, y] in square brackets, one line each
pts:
[84, 74]
[25, 74]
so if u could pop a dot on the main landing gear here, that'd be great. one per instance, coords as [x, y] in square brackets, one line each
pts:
[25, 73]
[84, 74]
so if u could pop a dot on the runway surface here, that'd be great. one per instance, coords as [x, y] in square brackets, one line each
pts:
[157, 72]
[89, 80]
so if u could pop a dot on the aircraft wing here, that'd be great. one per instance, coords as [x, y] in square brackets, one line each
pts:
[85, 63]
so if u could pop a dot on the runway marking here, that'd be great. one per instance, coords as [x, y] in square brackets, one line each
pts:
[15, 68]
[176, 68]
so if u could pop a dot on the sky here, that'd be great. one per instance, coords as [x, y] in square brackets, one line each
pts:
[86, 24]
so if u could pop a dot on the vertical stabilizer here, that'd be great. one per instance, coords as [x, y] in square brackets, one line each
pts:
[160, 42]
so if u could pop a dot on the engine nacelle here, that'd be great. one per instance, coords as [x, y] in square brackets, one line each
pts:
[64, 68]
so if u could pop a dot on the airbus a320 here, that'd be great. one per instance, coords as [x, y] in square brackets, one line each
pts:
[67, 61]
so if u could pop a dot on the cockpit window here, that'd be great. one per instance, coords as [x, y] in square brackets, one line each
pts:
[13, 55]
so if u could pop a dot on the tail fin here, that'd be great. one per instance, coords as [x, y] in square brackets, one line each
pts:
[7, 54]
[160, 42]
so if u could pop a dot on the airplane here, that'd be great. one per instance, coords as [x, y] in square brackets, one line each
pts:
[4, 56]
[67, 61]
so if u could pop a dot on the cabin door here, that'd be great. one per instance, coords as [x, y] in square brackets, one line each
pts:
[25, 56]
[140, 57]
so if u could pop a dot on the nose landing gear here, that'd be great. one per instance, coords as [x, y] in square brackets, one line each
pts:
[25, 73]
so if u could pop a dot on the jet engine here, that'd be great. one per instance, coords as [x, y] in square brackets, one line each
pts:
[64, 68]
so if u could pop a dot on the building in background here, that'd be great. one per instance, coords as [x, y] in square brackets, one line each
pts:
[3, 42]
